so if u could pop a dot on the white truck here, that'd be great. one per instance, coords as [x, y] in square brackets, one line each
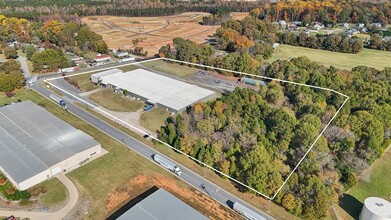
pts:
[167, 164]
[246, 212]
[69, 69]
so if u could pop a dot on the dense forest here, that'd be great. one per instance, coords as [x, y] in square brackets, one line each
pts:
[66, 10]
[11, 77]
[327, 11]
[257, 137]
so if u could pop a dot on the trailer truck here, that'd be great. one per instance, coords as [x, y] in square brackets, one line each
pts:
[58, 100]
[167, 164]
[246, 212]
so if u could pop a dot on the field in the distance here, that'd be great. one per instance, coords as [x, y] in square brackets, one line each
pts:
[372, 58]
[118, 32]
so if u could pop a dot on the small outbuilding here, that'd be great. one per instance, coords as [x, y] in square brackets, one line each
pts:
[375, 209]
[36, 145]
[97, 77]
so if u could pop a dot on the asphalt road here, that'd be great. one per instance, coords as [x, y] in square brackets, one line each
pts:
[187, 175]
[24, 66]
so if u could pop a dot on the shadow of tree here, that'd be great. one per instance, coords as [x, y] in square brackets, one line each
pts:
[351, 205]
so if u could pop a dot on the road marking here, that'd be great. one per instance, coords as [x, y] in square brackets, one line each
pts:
[270, 197]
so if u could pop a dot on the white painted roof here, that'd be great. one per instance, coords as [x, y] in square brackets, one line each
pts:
[161, 89]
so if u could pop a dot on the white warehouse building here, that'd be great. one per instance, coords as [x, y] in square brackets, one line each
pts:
[35, 145]
[167, 93]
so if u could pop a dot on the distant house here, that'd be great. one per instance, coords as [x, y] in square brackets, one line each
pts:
[102, 58]
[275, 45]
[40, 49]
[387, 38]
[376, 25]
[282, 23]
[318, 25]
[352, 31]
[361, 25]
[297, 23]
[345, 25]
[122, 54]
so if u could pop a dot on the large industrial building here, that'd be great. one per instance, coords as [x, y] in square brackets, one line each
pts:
[167, 93]
[159, 205]
[35, 145]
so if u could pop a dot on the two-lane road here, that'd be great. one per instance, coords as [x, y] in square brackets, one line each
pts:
[188, 176]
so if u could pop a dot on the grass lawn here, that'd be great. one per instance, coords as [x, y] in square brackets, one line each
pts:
[115, 101]
[128, 68]
[171, 68]
[154, 119]
[372, 58]
[84, 82]
[56, 192]
[379, 185]
[263, 204]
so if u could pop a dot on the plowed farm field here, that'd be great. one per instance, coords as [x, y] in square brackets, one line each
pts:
[152, 32]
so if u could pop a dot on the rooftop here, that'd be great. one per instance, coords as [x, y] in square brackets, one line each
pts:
[166, 91]
[161, 205]
[32, 140]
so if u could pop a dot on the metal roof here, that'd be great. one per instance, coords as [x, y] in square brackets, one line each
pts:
[32, 140]
[166, 91]
[163, 206]
[107, 72]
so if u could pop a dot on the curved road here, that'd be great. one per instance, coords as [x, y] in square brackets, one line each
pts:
[73, 197]
[195, 180]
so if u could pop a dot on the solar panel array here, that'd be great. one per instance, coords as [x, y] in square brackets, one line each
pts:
[33, 140]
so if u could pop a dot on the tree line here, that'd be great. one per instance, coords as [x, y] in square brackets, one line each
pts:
[43, 10]
[327, 11]
[11, 76]
[333, 42]
[257, 137]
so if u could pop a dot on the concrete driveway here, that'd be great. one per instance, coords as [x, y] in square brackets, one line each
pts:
[73, 197]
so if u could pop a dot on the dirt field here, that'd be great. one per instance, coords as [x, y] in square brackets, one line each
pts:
[196, 199]
[154, 32]
[239, 15]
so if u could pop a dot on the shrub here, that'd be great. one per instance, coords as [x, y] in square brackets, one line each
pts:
[35, 191]
[25, 202]
[9, 94]
[2, 181]
[10, 191]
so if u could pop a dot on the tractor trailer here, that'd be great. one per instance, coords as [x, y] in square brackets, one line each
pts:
[58, 100]
[246, 212]
[167, 164]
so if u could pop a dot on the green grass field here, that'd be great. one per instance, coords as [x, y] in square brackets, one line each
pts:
[379, 185]
[84, 82]
[154, 119]
[372, 58]
[171, 68]
[115, 101]
[56, 192]
[128, 68]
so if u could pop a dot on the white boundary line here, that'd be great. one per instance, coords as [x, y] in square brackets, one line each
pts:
[215, 68]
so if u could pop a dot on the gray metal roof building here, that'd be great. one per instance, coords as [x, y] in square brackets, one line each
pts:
[35, 145]
[163, 206]
[170, 94]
